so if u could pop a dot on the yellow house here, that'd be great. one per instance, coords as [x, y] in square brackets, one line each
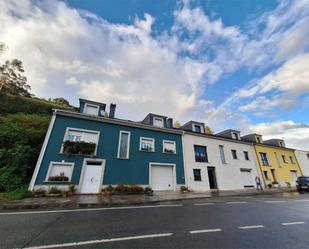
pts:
[277, 163]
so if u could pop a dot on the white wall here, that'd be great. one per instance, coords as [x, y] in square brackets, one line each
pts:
[228, 175]
[303, 161]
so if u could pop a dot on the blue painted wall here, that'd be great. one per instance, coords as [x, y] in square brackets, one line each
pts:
[131, 171]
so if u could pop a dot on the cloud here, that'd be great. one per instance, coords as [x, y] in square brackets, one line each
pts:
[296, 135]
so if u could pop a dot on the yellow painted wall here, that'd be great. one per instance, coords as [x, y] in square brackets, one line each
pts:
[282, 169]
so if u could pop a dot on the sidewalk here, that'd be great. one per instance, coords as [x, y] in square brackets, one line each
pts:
[92, 201]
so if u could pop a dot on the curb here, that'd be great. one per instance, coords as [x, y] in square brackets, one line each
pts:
[71, 205]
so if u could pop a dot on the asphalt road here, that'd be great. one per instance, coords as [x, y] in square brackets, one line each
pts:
[247, 222]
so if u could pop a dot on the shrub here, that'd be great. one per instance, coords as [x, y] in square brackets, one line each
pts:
[39, 192]
[129, 189]
[184, 188]
[72, 188]
[54, 190]
[80, 147]
[21, 138]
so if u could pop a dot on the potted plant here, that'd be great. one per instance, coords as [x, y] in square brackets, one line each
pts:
[78, 148]
[184, 189]
[59, 178]
[109, 190]
[40, 192]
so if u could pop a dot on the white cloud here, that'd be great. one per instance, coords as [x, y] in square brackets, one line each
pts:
[296, 135]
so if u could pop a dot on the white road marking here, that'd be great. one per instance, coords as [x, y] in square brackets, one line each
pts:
[302, 200]
[236, 202]
[90, 209]
[204, 204]
[206, 231]
[293, 223]
[274, 201]
[89, 242]
[251, 227]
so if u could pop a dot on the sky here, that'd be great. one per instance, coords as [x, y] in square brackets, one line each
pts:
[228, 63]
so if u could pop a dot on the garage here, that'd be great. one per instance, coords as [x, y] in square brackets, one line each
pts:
[162, 177]
[246, 178]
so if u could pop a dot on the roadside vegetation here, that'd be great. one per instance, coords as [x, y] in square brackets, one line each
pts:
[24, 120]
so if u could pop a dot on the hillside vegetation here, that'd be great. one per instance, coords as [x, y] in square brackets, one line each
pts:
[23, 125]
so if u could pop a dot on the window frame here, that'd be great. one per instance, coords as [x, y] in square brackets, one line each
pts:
[51, 163]
[158, 118]
[201, 146]
[222, 154]
[80, 130]
[91, 105]
[235, 158]
[200, 175]
[266, 176]
[128, 145]
[235, 136]
[246, 154]
[200, 127]
[292, 160]
[262, 160]
[147, 138]
[168, 141]
[284, 158]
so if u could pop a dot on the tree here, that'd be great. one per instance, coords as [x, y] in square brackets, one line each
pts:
[3, 47]
[61, 101]
[208, 130]
[12, 80]
[177, 124]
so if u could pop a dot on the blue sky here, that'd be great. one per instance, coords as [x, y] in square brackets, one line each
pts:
[229, 63]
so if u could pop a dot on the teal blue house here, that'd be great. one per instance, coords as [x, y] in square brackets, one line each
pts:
[92, 149]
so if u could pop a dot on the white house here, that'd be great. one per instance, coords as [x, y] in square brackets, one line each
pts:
[222, 161]
[303, 161]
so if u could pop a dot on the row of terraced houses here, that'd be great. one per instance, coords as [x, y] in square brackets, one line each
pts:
[92, 149]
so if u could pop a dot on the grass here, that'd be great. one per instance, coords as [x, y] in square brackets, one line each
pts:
[17, 194]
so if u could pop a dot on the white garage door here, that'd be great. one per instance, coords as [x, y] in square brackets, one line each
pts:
[162, 177]
[246, 178]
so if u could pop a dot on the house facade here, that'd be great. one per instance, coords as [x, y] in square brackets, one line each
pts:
[303, 161]
[92, 149]
[277, 163]
[221, 161]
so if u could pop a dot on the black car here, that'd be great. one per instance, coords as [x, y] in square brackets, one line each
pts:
[302, 183]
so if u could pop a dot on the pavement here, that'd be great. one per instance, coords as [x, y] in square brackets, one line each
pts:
[278, 220]
[93, 201]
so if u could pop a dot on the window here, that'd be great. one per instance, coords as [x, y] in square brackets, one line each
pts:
[264, 159]
[284, 159]
[292, 160]
[81, 140]
[197, 128]
[266, 175]
[280, 144]
[197, 175]
[158, 122]
[59, 171]
[124, 145]
[91, 109]
[235, 135]
[221, 149]
[258, 139]
[246, 155]
[234, 154]
[308, 156]
[169, 147]
[147, 144]
[277, 159]
[200, 154]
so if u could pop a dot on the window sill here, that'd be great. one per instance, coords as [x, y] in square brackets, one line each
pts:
[57, 182]
[169, 153]
[201, 162]
[119, 158]
[87, 155]
[147, 151]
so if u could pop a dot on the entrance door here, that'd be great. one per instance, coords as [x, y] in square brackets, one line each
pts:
[212, 178]
[162, 177]
[294, 177]
[246, 178]
[92, 177]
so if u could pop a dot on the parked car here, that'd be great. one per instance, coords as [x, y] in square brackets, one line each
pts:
[302, 183]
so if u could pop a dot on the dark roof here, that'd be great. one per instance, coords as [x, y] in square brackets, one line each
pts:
[90, 101]
[153, 114]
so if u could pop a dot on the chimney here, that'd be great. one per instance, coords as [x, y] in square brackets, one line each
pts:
[112, 109]
[170, 123]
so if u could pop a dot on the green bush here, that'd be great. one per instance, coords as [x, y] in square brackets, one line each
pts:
[14, 104]
[80, 147]
[21, 139]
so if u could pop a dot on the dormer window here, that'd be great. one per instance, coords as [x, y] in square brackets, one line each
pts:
[280, 144]
[91, 109]
[235, 135]
[197, 128]
[258, 139]
[158, 122]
